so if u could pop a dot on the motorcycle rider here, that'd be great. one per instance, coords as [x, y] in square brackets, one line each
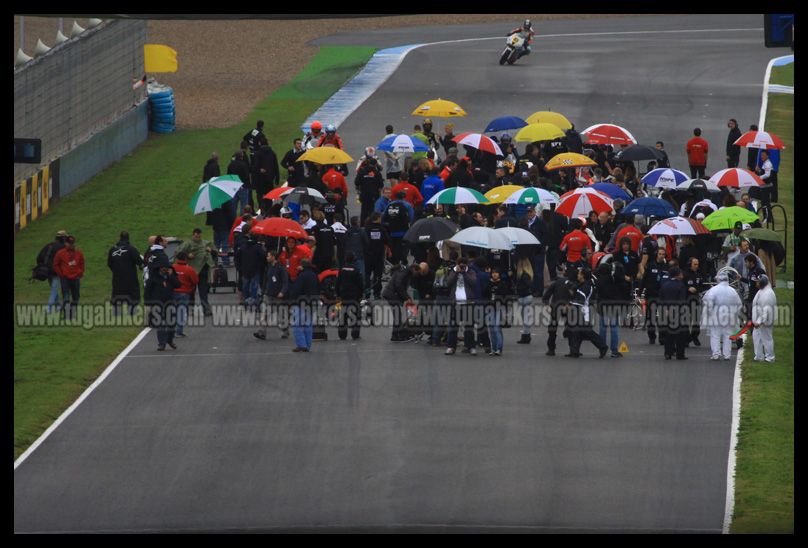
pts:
[331, 138]
[527, 28]
[313, 137]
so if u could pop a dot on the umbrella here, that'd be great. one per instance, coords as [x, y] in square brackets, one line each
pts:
[531, 196]
[762, 234]
[303, 193]
[482, 236]
[760, 139]
[704, 203]
[636, 153]
[698, 184]
[650, 207]
[277, 193]
[663, 177]
[519, 236]
[613, 190]
[736, 178]
[498, 194]
[678, 226]
[439, 108]
[569, 160]
[216, 192]
[279, 227]
[480, 142]
[583, 200]
[325, 156]
[549, 117]
[402, 143]
[458, 195]
[608, 134]
[432, 229]
[503, 123]
[532, 133]
[725, 219]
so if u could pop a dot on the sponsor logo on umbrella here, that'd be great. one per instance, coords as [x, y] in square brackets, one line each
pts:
[567, 162]
[666, 180]
[528, 199]
[425, 237]
[671, 224]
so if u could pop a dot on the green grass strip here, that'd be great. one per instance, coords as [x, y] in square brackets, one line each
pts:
[145, 193]
[783, 76]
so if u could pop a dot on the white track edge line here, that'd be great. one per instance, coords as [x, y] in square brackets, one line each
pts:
[81, 398]
[729, 507]
[764, 103]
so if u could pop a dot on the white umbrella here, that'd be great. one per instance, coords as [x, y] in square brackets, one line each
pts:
[709, 185]
[678, 226]
[704, 203]
[519, 236]
[484, 237]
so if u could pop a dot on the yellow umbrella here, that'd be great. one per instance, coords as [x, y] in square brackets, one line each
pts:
[439, 108]
[568, 160]
[538, 132]
[499, 194]
[549, 117]
[325, 156]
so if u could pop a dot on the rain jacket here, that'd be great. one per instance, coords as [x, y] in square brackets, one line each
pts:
[764, 307]
[721, 305]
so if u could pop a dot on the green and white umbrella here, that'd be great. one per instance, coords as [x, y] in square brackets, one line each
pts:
[215, 193]
[532, 196]
[458, 195]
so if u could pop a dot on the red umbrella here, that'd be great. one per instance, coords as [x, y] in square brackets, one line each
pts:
[760, 139]
[608, 134]
[735, 177]
[280, 227]
[277, 193]
[583, 200]
[678, 226]
[478, 141]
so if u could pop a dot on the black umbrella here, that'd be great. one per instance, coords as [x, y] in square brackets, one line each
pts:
[303, 194]
[637, 153]
[431, 230]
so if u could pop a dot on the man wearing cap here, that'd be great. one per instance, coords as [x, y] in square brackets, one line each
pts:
[732, 242]
[68, 264]
[45, 257]
[764, 314]
[721, 306]
[201, 260]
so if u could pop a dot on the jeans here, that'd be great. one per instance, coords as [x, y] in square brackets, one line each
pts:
[249, 288]
[612, 323]
[494, 321]
[181, 300]
[53, 300]
[70, 295]
[360, 266]
[302, 325]
[220, 241]
[461, 311]
[524, 304]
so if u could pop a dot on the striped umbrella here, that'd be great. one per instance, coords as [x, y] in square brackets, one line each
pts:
[678, 226]
[458, 195]
[569, 160]
[664, 177]
[760, 139]
[531, 196]
[735, 177]
[402, 143]
[498, 194]
[608, 134]
[480, 142]
[583, 200]
[215, 193]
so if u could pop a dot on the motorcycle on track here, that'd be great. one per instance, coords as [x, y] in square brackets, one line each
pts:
[514, 48]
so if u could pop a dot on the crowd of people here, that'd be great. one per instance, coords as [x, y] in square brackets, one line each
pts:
[585, 271]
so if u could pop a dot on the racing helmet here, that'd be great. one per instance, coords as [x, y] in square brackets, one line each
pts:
[527, 24]
[316, 125]
[330, 128]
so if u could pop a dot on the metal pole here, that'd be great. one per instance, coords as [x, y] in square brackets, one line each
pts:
[62, 25]
[22, 31]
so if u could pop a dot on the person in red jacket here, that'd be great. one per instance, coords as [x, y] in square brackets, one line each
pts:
[631, 232]
[182, 294]
[335, 181]
[413, 195]
[292, 255]
[68, 264]
[697, 149]
[574, 243]
[330, 138]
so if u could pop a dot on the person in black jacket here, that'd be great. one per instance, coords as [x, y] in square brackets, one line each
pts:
[462, 284]
[250, 262]
[266, 174]
[612, 296]
[124, 260]
[159, 295]
[397, 296]
[674, 314]
[295, 169]
[536, 226]
[694, 281]
[655, 270]
[579, 316]
[369, 184]
[275, 289]
[752, 153]
[573, 141]
[378, 244]
[557, 296]
[350, 288]
[239, 166]
[45, 257]
[325, 246]
[356, 242]
[211, 168]
[733, 151]
[304, 294]
[221, 221]
[256, 138]
[495, 296]
[555, 227]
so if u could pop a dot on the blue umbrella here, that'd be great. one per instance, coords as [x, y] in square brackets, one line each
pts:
[665, 177]
[505, 122]
[402, 143]
[612, 190]
[650, 207]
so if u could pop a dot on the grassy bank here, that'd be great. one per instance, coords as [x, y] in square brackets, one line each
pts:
[146, 193]
[764, 480]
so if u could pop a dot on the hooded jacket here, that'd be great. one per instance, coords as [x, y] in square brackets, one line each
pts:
[764, 307]
[124, 260]
[721, 305]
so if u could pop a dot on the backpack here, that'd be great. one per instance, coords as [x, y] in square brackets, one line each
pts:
[40, 272]
[44, 261]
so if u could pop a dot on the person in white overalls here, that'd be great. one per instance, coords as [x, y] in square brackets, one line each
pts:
[721, 306]
[764, 314]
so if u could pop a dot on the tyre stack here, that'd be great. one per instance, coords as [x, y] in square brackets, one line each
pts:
[161, 105]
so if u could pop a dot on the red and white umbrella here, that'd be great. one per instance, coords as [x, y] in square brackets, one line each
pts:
[736, 177]
[678, 226]
[479, 141]
[608, 134]
[583, 200]
[760, 139]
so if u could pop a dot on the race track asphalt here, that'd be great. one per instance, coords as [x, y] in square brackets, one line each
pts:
[229, 433]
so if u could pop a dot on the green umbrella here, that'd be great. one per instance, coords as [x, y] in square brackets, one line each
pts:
[725, 219]
[215, 193]
[458, 195]
[762, 234]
